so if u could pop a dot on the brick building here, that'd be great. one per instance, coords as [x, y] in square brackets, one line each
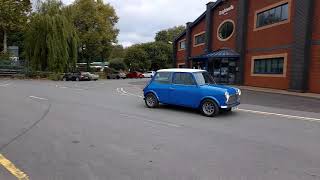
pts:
[265, 43]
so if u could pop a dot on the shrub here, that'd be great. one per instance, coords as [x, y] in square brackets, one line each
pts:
[55, 76]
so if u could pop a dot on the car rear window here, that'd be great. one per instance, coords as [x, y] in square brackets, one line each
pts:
[163, 77]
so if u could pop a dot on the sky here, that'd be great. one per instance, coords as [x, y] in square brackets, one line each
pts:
[141, 19]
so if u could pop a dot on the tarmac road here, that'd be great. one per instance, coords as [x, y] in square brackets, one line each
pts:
[102, 130]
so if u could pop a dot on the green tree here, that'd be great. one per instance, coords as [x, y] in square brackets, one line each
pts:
[159, 53]
[136, 58]
[13, 16]
[95, 23]
[117, 52]
[117, 64]
[51, 40]
[168, 35]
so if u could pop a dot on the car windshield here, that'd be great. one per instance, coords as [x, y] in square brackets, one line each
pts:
[203, 78]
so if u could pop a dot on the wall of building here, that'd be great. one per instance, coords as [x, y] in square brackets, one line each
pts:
[180, 54]
[277, 39]
[196, 29]
[218, 19]
[265, 80]
[314, 75]
[269, 40]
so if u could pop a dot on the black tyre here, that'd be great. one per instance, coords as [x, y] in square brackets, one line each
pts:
[77, 79]
[209, 108]
[118, 77]
[108, 77]
[151, 101]
[64, 79]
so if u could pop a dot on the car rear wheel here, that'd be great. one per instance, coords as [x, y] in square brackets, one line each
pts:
[209, 108]
[151, 101]
[77, 79]
[64, 79]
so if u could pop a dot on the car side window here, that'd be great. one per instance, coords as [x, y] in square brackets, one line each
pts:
[163, 77]
[183, 79]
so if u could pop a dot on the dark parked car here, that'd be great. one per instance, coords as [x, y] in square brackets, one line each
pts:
[135, 74]
[76, 76]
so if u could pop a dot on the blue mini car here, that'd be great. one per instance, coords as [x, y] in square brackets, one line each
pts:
[190, 88]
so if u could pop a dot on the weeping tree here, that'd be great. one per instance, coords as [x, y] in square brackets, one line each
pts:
[51, 40]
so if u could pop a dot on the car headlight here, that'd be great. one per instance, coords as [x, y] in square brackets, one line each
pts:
[227, 95]
[239, 92]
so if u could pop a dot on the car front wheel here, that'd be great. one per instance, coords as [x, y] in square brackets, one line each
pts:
[209, 108]
[151, 101]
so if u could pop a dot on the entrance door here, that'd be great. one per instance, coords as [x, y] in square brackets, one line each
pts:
[224, 70]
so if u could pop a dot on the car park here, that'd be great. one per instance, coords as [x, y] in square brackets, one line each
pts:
[191, 88]
[149, 74]
[134, 74]
[76, 76]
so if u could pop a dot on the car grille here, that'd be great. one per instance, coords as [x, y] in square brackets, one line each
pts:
[234, 99]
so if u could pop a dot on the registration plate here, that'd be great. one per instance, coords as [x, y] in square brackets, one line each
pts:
[235, 108]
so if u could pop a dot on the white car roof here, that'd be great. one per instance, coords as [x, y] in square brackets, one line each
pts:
[181, 70]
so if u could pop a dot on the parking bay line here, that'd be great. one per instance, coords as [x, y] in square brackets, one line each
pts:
[12, 168]
[254, 112]
[281, 115]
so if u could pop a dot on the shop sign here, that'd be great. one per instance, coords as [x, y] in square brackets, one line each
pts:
[226, 10]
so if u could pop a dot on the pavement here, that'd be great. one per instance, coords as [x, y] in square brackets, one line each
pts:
[102, 130]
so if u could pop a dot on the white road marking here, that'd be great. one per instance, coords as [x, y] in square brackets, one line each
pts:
[121, 90]
[281, 115]
[63, 87]
[122, 93]
[4, 85]
[40, 98]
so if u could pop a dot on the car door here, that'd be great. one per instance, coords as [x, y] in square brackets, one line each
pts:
[161, 85]
[184, 90]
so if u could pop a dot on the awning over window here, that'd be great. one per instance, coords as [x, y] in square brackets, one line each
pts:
[220, 53]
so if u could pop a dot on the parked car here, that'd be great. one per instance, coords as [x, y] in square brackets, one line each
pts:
[149, 74]
[76, 76]
[116, 75]
[190, 88]
[93, 77]
[134, 74]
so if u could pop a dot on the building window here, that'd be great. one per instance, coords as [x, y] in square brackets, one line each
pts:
[225, 30]
[199, 39]
[182, 45]
[269, 66]
[273, 15]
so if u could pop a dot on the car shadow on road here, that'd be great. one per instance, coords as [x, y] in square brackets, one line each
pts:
[190, 111]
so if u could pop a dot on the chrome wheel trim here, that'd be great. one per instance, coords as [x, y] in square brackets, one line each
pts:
[208, 108]
[150, 100]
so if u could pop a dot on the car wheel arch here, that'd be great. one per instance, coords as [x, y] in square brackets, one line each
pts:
[209, 98]
[152, 92]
